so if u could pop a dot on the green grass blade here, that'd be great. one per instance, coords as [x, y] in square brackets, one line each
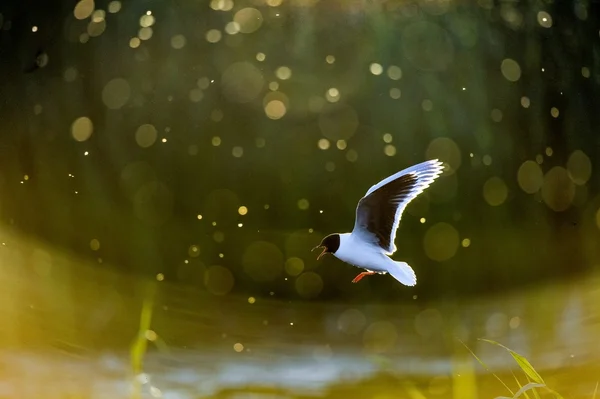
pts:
[140, 343]
[521, 361]
[486, 367]
[595, 391]
[519, 384]
[535, 392]
[528, 387]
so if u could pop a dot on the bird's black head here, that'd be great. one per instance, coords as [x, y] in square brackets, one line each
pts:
[330, 244]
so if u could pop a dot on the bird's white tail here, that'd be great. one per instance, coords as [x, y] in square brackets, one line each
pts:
[402, 272]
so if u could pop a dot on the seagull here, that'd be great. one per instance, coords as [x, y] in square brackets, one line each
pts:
[378, 214]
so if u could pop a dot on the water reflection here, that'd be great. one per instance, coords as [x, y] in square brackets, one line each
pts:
[69, 327]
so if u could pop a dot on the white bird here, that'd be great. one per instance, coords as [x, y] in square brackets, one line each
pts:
[378, 215]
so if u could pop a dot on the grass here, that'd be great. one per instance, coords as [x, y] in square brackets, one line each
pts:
[140, 343]
[535, 381]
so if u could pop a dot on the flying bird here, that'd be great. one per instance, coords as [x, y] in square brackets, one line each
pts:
[378, 215]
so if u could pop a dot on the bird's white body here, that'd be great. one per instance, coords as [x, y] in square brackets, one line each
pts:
[378, 216]
[365, 255]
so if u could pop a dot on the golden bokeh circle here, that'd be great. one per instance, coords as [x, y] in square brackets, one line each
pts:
[249, 19]
[558, 190]
[579, 167]
[530, 177]
[82, 128]
[510, 69]
[441, 242]
[275, 109]
[262, 261]
[194, 251]
[116, 93]
[146, 135]
[447, 151]
[309, 285]
[83, 9]
[294, 266]
[495, 191]
[94, 244]
[218, 280]
[242, 82]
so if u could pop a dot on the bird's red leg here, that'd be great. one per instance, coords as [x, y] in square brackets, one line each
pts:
[361, 275]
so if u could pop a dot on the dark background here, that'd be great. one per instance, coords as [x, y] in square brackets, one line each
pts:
[141, 204]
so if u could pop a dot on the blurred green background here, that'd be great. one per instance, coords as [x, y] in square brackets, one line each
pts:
[190, 154]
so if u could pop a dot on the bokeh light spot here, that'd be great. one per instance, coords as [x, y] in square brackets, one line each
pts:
[263, 261]
[218, 280]
[558, 190]
[390, 150]
[309, 285]
[242, 82]
[84, 9]
[283, 73]
[82, 128]
[376, 69]
[194, 250]
[237, 151]
[114, 7]
[510, 69]
[294, 266]
[544, 19]
[178, 42]
[579, 167]
[530, 177]
[441, 242]
[395, 93]
[447, 151]
[146, 135]
[238, 347]
[495, 191]
[213, 36]
[275, 109]
[323, 144]
[94, 244]
[116, 93]
[496, 115]
[249, 19]
[394, 72]
[303, 204]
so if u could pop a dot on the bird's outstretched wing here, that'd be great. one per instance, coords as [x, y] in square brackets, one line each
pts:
[378, 213]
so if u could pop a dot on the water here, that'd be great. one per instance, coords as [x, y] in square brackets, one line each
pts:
[77, 344]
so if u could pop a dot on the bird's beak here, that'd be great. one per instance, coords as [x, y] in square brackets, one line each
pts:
[322, 253]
